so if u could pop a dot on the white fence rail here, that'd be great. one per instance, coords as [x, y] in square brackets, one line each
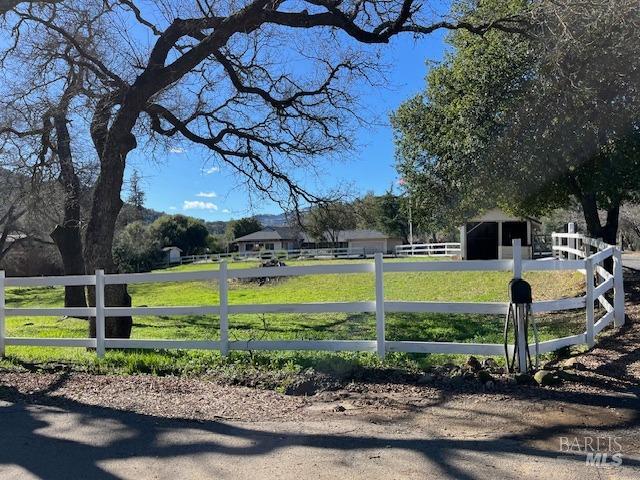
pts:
[352, 252]
[592, 265]
[448, 249]
[576, 245]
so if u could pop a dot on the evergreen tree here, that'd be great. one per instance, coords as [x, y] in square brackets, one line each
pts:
[136, 194]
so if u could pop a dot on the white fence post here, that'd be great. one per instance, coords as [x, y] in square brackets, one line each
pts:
[224, 309]
[590, 334]
[586, 247]
[380, 328]
[618, 289]
[578, 246]
[3, 330]
[571, 242]
[100, 321]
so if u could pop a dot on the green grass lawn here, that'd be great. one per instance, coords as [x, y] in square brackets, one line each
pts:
[425, 286]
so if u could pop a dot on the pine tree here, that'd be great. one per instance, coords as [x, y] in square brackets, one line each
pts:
[136, 194]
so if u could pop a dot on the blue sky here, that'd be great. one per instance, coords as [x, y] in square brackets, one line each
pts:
[182, 180]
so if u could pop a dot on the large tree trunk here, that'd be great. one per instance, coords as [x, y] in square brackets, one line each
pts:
[105, 208]
[98, 245]
[67, 236]
[607, 232]
[67, 239]
[610, 229]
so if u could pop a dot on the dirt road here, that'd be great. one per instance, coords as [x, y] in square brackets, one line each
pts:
[497, 439]
[56, 428]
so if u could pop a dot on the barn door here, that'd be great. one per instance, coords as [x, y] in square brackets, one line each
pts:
[482, 241]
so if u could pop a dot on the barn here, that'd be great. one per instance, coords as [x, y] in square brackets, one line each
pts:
[489, 236]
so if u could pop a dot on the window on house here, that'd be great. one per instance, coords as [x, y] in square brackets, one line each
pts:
[513, 230]
[268, 246]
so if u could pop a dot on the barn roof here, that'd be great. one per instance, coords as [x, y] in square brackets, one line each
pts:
[499, 215]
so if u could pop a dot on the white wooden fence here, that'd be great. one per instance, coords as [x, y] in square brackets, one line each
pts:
[575, 245]
[592, 265]
[447, 249]
[593, 253]
[352, 252]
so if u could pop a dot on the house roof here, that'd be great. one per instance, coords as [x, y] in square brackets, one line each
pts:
[166, 249]
[270, 234]
[362, 235]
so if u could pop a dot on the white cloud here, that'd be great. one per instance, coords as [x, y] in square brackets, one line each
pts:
[211, 170]
[173, 207]
[198, 205]
[176, 150]
[206, 194]
[225, 210]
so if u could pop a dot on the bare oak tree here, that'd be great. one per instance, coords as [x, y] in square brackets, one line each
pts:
[67, 235]
[38, 109]
[221, 75]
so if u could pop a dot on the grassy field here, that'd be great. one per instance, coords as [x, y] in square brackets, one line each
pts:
[433, 286]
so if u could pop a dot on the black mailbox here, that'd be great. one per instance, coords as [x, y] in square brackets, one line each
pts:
[520, 291]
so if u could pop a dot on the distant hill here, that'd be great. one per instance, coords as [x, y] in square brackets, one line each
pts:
[129, 214]
[217, 227]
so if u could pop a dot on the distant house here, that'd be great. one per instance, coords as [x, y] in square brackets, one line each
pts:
[172, 254]
[372, 241]
[490, 235]
[272, 238]
[283, 238]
